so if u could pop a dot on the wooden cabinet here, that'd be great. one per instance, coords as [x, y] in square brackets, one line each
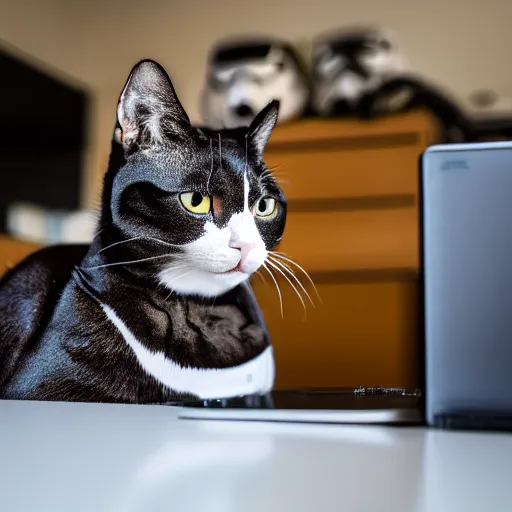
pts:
[352, 189]
[12, 251]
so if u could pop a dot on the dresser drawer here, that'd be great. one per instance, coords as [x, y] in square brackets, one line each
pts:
[360, 239]
[363, 333]
[337, 172]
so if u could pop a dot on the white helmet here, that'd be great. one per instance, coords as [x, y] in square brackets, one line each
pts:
[349, 64]
[246, 74]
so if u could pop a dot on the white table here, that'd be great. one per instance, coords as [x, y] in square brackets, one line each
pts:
[85, 457]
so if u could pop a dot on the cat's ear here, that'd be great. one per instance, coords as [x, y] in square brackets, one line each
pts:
[262, 126]
[148, 107]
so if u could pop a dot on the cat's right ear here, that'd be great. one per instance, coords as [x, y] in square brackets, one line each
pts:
[262, 126]
[148, 108]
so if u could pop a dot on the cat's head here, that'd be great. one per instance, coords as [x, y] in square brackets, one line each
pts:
[203, 197]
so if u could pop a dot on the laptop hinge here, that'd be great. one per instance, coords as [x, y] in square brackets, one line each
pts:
[475, 421]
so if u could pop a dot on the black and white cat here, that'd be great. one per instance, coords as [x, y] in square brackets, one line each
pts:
[159, 306]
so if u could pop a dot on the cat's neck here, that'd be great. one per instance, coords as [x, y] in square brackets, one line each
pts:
[104, 276]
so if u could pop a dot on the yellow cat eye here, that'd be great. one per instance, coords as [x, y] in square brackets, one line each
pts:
[266, 207]
[196, 202]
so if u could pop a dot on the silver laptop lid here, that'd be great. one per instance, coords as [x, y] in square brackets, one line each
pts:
[467, 263]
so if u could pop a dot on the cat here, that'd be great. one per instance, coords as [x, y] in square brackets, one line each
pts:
[159, 306]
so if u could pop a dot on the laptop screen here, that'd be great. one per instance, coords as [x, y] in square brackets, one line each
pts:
[467, 267]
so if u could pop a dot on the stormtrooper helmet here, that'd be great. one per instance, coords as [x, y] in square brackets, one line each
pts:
[349, 64]
[244, 75]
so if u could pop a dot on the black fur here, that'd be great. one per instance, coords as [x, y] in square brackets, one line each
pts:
[28, 293]
[383, 92]
[406, 93]
[56, 342]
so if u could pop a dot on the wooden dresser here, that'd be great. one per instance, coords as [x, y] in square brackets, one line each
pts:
[352, 191]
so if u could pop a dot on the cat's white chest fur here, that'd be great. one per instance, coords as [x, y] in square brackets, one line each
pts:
[254, 376]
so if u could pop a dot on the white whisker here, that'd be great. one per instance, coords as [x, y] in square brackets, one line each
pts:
[260, 275]
[211, 168]
[292, 274]
[98, 233]
[277, 286]
[269, 174]
[128, 262]
[284, 257]
[176, 278]
[182, 275]
[172, 268]
[265, 173]
[291, 284]
[271, 171]
[143, 237]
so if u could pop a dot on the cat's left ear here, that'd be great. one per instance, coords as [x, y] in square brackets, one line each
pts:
[262, 126]
[148, 107]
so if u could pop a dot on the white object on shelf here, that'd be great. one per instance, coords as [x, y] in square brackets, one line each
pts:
[34, 223]
[488, 104]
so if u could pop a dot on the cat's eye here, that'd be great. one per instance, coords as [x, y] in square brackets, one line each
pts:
[196, 202]
[266, 207]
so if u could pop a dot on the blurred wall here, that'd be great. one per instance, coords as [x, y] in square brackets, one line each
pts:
[461, 44]
[47, 33]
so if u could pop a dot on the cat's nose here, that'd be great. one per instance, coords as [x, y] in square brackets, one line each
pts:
[245, 248]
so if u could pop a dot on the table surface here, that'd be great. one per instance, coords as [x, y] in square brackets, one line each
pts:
[97, 457]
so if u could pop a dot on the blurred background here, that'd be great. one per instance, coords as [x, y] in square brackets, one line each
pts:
[353, 227]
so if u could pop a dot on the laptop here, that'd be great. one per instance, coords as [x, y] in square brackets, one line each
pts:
[466, 276]
[466, 232]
